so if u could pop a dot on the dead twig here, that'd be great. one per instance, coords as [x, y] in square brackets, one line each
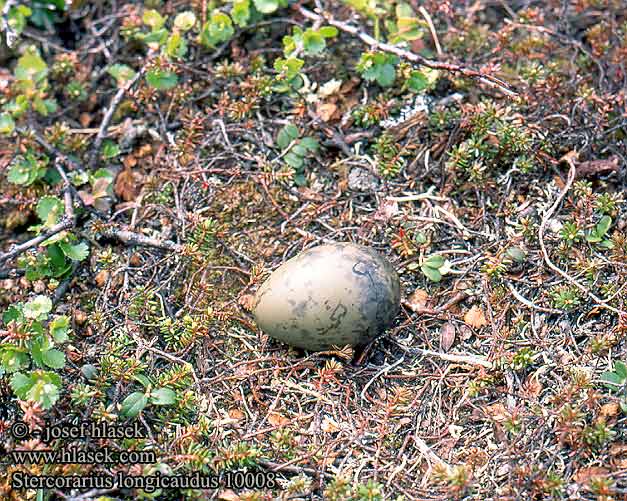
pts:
[410, 56]
[572, 172]
[64, 224]
[528, 303]
[131, 238]
[115, 102]
[450, 357]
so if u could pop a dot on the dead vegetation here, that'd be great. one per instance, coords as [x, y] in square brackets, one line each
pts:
[493, 382]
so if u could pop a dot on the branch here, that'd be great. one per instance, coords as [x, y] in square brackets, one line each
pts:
[130, 238]
[65, 224]
[547, 216]
[73, 164]
[451, 357]
[410, 56]
[115, 102]
[11, 35]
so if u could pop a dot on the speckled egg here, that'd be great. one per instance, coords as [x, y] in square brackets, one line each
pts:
[335, 294]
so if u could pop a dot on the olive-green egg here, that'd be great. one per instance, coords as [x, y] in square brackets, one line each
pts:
[335, 294]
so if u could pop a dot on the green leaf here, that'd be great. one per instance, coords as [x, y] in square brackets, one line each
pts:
[155, 37]
[289, 45]
[386, 75]
[49, 210]
[163, 396]
[621, 369]
[25, 170]
[300, 179]
[417, 81]
[58, 262]
[143, 380]
[20, 384]
[153, 19]
[603, 226]
[38, 308]
[241, 12]
[121, 72]
[76, 252]
[110, 149]
[59, 328]
[432, 274]
[266, 6]
[19, 173]
[299, 149]
[286, 135]
[40, 386]
[134, 404]
[17, 17]
[612, 380]
[288, 68]
[378, 66]
[31, 67]
[161, 79]
[185, 20]
[90, 371]
[38, 345]
[7, 124]
[517, 254]
[13, 358]
[45, 389]
[328, 31]
[294, 160]
[310, 143]
[13, 313]
[219, 28]
[54, 358]
[607, 244]
[434, 261]
[176, 47]
[313, 42]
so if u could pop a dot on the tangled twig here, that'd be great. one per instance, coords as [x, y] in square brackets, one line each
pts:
[410, 56]
[64, 224]
[547, 216]
[115, 102]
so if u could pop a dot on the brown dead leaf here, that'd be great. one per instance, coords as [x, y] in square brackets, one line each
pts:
[386, 210]
[465, 332]
[475, 317]
[532, 387]
[144, 150]
[326, 111]
[84, 119]
[609, 410]
[228, 495]
[127, 184]
[101, 278]
[584, 475]
[135, 259]
[559, 182]
[87, 198]
[497, 412]
[329, 425]
[129, 161]
[101, 185]
[247, 301]
[447, 336]
[618, 449]
[275, 419]
[236, 414]
[592, 167]
[418, 300]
